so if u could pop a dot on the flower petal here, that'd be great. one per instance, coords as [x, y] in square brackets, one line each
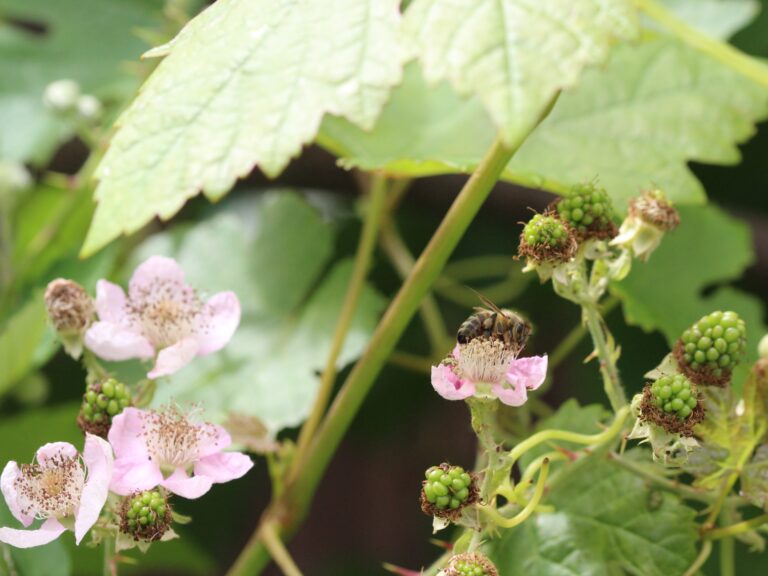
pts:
[449, 385]
[112, 341]
[131, 475]
[53, 449]
[99, 461]
[213, 440]
[126, 437]
[174, 357]
[223, 467]
[153, 270]
[110, 302]
[218, 322]
[517, 395]
[7, 480]
[186, 487]
[48, 532]
[530, 371]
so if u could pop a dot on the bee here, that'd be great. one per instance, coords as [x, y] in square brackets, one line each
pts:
[496, 323]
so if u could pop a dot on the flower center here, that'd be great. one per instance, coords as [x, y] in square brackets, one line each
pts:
[484, 360]
[174, 441]
[166, 312]
[52, 489]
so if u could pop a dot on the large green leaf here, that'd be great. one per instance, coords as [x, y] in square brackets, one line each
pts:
[708, 249]
[245, 83]
[633, 125]
[515, 54]
[87, 41]
[278, 250]
[19, 339]
[718, 18]
[605, 521]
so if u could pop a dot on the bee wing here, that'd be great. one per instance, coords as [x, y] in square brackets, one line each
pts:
[488, 303]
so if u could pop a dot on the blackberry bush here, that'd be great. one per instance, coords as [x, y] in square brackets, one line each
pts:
[672, 403]
[546, 238]
[709, 350]
[447, 490]
[102, 401]
[145, 515]
[589, 211]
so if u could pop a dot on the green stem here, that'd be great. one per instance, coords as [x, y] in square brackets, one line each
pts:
[401, 258]
[725, 53]
[277, 550]
[700, 560]
[483, 417]
[291, 508]
[502, 522]
[373, 218]
[678, 488]
[108, 566]
[735, 529]
[727, 548]
[606, 357]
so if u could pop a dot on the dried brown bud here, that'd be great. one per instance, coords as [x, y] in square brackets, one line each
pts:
[71, 311]
[654, 209]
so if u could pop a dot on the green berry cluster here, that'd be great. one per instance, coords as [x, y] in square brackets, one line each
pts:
[588, 210]
[447, 488]
[715, 344]
[543, 230]
[469, 568]
[145, 515]
[674, 394]
[101, 402]
[471, 564]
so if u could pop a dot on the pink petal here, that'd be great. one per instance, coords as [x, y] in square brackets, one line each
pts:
[115, 342]
[110, 302]
[10, 473]
[130, 475]
[153, 270]
[174, 357]
[517, 395]
[186, 487]
[53, 449]
[213, 440]
[48, 532]
[126, 435]
[530, 371]
[448, 385]
[218, 322]
[99, 461]
[224, 466]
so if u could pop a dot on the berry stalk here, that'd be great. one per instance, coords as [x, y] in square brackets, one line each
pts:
[606, 355]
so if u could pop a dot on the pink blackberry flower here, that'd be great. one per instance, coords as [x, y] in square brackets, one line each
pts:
[161, 316]
[486, 368]
[59, 486]
[160, 448]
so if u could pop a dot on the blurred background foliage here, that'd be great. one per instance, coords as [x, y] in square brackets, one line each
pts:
[284, 246]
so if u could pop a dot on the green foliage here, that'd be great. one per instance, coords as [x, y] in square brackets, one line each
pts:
[718, 18]
[19, 341]
[87, 41]
[277, 254]
[487, 48]
[246, 83]
[605, 521]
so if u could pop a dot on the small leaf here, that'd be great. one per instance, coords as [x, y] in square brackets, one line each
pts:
[515, 54]
[245, 83]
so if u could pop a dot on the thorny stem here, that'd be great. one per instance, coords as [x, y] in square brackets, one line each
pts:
[277, 550]
[483, 415]
[606, 357]
[294, 502]
[373, 217]
[701, 559]
[498, 520]
[725, 53]
[735, 529]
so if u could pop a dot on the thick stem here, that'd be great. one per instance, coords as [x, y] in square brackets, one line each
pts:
[291, 508]
[108, 565]
[277, 550]
[725, 53]
[606, 356]
[363, 257]
[483, 416]
[727, 548]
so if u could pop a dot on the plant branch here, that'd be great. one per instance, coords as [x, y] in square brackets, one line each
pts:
[701, 559]
[277, 550]
[373, 217]
[735, 529]
[497, 519]
[725, 53]
[605, 355]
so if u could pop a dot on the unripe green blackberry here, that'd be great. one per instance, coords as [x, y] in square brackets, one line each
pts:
[546, 238]
[102, 401]
[447, 490]
[712, 347]
[672, 403]
[589, 211]
[145, 515]
[470, 564]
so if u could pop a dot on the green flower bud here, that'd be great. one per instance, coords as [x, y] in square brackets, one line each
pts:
[588, 210]
[102, 401]
[447, 490]
[146, 516]
[708, 351]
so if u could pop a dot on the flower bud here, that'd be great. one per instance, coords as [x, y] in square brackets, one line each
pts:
[62, 95]
[588, 210]
[470, 564]
[649, 217]
[71, 311]
[146, 516]
[447, 490]
[709, 350]
[102, 401]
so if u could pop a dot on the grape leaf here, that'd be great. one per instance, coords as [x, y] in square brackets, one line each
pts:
[605, 520]
[667, 292]
[514, 54]
[86, 41]
[278, 250]
[245, 83]
[634, 124]
[718, 18]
